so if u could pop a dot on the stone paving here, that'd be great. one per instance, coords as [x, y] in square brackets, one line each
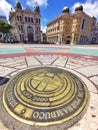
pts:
[83, 66]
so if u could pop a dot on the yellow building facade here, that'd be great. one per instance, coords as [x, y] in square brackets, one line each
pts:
[70, 28]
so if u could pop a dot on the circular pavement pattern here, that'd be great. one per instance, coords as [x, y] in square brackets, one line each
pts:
[45, 96]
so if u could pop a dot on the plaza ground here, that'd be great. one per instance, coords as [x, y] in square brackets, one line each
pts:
[82, 60]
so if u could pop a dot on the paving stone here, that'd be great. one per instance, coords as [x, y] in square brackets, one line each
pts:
[20, 66]
[88, 122]
[2, 126]
[31, 61]
[46, 60]
[61, 61]
[94, 80]
[14, 62]
[74, 63]
[5, 71]
[88, 71]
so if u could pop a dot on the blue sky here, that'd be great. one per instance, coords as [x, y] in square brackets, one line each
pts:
[50, 9]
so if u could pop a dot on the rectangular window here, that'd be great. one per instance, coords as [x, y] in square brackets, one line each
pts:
[32, 20]
[25, 19]
[83, 23]
[36, 20]
[19, 27]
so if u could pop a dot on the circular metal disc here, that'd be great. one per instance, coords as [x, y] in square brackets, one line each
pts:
[45, 96]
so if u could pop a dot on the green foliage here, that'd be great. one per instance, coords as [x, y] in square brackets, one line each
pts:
[4, 27]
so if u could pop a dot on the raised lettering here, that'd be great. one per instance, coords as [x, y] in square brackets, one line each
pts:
[41, 115]
[53, 114]
[59, 113]
[11, 100]
[36, 115]
[65, 110]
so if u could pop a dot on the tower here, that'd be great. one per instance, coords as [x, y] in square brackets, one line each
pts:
[18, 5]
[36, 8]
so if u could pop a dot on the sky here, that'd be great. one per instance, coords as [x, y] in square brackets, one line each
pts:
[50, 9]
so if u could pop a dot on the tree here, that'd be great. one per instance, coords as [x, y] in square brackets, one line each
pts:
[4, 29]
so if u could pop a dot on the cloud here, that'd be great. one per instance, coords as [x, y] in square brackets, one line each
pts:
[90, 7]
[5, 7]
[40, 2]
[43, 29]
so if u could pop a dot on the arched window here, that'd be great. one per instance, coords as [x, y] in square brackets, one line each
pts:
[28, 19]
[20, 18]
[29, 29]
[20, 37]
[17, 18]
[32, 20]
[25, 19]
[21, 28]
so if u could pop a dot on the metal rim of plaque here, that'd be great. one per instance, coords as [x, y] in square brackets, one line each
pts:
[46, 96]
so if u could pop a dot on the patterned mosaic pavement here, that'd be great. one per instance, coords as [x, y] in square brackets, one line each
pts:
[24, 50]
[83, 66]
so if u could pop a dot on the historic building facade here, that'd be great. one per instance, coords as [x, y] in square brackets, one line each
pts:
[26, 24]
[70, 28]
[43, 37]
[94, 35]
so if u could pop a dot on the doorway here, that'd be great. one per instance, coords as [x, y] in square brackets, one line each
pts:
[30, 37]
[30, 34]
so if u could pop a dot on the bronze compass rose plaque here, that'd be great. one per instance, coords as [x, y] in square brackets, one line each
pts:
[46, 96]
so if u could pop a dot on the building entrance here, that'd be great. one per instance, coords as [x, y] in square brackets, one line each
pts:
[30, 37]
[30, 34]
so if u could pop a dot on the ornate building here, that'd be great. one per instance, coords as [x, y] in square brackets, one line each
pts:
[26, 24]
[70, 28]
[94, 35]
